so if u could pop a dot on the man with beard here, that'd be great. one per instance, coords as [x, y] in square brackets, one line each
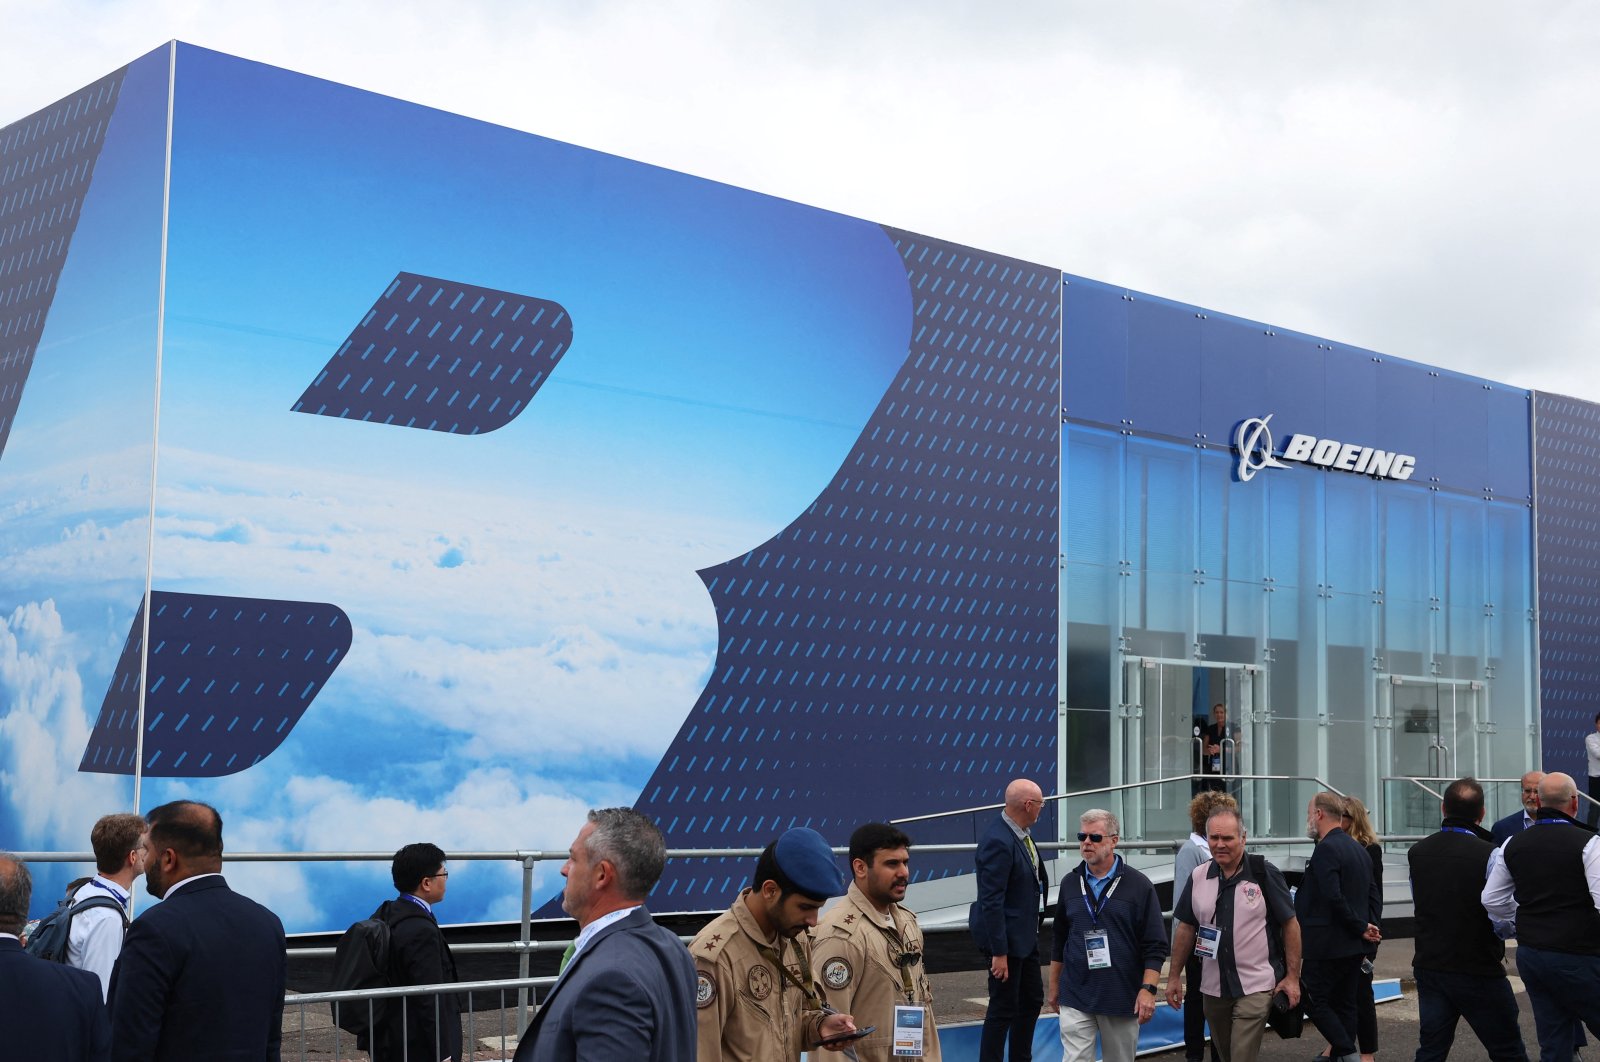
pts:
[754, 989]
[201, 974]
[869, 952]
[1332, 905]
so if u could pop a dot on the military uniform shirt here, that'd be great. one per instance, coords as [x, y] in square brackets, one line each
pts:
[747, 1010]
[855, 960]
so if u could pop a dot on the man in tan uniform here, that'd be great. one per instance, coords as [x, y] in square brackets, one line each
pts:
[869, 950]
[756, 997]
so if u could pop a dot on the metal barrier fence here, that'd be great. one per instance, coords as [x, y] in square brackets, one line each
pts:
[318, 1033]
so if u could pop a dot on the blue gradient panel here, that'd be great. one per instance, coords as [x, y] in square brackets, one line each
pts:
[229, 678]
[1167, 369]
[46, 163]
[1567, 523]
[893, 651]
[442, 356]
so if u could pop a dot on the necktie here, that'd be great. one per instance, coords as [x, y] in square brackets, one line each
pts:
[566, 956]
[1033, 853]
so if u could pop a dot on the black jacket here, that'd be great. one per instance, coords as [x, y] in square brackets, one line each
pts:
[1335, 898]
[1453, 933]
[423, 1028]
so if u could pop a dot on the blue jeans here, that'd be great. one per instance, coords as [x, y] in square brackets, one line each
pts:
[1564, 992]
[1444, 997]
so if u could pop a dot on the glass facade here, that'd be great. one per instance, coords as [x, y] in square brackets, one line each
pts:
[1355, 628]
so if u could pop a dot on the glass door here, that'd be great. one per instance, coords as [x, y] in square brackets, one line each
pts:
[1434, 728]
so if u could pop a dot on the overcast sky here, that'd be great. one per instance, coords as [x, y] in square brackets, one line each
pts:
[1412, 178]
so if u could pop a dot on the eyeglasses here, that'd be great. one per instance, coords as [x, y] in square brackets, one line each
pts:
[441, 874]
[1095, 837]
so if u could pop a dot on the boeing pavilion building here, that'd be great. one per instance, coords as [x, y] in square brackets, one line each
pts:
[374, 473]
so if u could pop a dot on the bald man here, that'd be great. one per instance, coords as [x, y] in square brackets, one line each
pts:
[1004, 920]
[1519, 820]
[1545, 882]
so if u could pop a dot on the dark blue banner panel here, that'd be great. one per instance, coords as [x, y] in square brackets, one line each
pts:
[1567, 522]
[893, 651]
[229, 678]
[442, 356]
[46, 163]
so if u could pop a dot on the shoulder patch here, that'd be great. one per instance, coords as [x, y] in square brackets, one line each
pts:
[836, 973]
[705, 990]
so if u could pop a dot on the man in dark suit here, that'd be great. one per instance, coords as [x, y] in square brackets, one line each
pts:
[1336, 892]
[627, 991]
[201, 974]
[426, 1027]
[1505, 829]
[1004, 921]
[48, 1010]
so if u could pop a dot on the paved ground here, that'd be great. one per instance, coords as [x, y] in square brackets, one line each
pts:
[961, 997]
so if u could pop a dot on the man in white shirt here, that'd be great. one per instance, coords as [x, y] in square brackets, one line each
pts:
[95, 939]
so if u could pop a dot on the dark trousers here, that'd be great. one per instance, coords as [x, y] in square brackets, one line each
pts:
[1444, 997]
[1366, 1016]
[1014, 1006]
[1591, 814]
[1331, 986]
[1564, 992]
[1194, 1014]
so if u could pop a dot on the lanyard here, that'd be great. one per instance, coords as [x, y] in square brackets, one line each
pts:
[1095, 909]
[1551, 822]
[807, 986]
[123, 900]
[1456, 829]
[899, 950]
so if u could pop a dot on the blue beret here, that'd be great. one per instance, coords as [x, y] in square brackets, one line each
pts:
[805, 859]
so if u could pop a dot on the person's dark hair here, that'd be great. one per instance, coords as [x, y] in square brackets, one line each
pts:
[188, 827]
[415, 862]
[873, 837]
[112, 838]
[16, 892]
[1463, 799]
[631, 843]
[1597, 717]
[767, 869]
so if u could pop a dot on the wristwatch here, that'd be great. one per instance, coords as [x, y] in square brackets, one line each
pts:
[1149, 988]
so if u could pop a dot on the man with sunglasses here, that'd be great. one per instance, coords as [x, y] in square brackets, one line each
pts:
[423, 1028]
[1108, 948]
[869, 951]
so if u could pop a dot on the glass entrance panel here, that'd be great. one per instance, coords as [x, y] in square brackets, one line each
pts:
[1435, 730]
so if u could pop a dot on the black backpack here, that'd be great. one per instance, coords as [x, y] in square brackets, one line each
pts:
[48, 939]
[361, 960]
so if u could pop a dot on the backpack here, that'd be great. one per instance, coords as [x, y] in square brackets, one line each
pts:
[361, 960]
[48, 939]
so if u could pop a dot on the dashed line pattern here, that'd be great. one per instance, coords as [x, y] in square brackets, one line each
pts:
[1567, 526]
[439, 355]
[893, 651]
[47, 161]
[229, 678]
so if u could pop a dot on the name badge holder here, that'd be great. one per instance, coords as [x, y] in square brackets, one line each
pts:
[910, 1025]
[1096, 942]
[1207, 941]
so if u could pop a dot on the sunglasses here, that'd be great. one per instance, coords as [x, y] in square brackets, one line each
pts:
[907, 959]
[1095, 837]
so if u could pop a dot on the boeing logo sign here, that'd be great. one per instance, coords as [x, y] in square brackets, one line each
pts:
[1252, 441]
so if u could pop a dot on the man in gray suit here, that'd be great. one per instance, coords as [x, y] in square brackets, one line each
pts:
[627, 991]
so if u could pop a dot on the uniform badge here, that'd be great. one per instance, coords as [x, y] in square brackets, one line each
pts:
[705, 990]
[1252, 894]
[760, 982]
[836, 973]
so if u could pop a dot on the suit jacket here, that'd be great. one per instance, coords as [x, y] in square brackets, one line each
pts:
[628, 995]
[1336, 897]
[1505, 829]
[422, 1028]
[49, 1010]
[1004, 919]
[200, 978]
